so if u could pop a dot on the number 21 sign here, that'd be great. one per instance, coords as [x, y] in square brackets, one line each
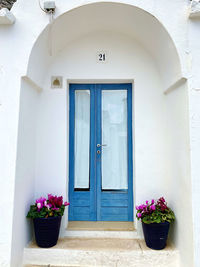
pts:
[101, 57]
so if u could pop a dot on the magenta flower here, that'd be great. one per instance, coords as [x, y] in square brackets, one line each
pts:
[161, 199]
[55, 208]
[48, 206]
[40, 200]
[146, 212]
[55, 201]
[39, 205]
[44, 208]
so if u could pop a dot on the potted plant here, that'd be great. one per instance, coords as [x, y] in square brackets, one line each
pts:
[46, 215]
[156, 218]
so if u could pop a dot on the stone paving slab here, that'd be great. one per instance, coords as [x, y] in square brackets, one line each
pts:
[104, 252]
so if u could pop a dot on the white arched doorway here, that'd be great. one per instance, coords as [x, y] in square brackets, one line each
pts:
[139, 51]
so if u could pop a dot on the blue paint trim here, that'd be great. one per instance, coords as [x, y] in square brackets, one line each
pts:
[98, 156]
[93, 200]
[130, 153]
[71, 149]
[96, 204]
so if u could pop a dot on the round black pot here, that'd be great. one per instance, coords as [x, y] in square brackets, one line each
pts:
[155, 234]
[47, 231]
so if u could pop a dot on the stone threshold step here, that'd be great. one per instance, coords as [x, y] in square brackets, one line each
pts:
[105, 252]
[31, 265]
[101, 230]
[100, 226]
[101, 234]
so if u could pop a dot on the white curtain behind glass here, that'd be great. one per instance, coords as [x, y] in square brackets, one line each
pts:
[114, 134]
[82, 138]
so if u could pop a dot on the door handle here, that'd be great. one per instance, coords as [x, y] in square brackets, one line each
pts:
[99, 145]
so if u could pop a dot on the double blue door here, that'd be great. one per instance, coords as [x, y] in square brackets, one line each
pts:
[100, 152]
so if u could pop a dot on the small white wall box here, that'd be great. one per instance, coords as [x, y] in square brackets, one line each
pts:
[56, 82]
[49, 6]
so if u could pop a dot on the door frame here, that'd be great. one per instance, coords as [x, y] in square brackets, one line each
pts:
[116, 84]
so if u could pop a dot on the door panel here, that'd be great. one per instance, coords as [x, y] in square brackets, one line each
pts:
[114, 136]
[82, 200]
[82, 139]
[100, 156]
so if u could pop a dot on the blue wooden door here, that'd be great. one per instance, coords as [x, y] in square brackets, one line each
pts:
[100, 152]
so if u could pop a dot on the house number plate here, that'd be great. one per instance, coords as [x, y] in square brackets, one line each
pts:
[101, 57]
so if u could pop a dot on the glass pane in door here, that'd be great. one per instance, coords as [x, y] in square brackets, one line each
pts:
[82, 139]
[114, 136]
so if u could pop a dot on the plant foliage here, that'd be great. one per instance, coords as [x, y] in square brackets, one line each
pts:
[44, 208]
[155, 212]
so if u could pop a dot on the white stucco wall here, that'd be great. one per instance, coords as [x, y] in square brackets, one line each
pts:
[126, 62]
[194, 107]
[16, 44]
[25, 172]
[178, 183]
[160, 123]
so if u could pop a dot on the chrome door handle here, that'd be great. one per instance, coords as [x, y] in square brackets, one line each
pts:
[99, 145]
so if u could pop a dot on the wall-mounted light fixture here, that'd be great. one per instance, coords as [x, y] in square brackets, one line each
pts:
[49, 6]
[56, 82]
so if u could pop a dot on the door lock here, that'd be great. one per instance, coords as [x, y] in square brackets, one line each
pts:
[98, 151]
[99, 145]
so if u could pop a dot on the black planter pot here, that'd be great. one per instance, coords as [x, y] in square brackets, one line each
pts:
[155, 234]
[47, 231]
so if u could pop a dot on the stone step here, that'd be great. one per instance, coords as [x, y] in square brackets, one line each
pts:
[101, 234]
[100, 226]
[101, 230]
[104, 252]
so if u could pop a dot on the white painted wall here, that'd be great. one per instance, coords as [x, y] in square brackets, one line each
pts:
[25, 172]
[127, 60]
[9, 112]
[160, 124]
[177, 177]
[194, 117]
[29, 24]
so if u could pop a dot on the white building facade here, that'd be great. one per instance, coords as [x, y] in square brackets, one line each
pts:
[153, 46]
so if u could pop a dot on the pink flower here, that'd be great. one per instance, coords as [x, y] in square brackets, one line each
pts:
[40, 203]
[139, 215]
[153, 207]
[41, 200]
[161, 199]
[55, 201]
[163, 207]
[39, 206]
[152, 201]
[66, 203]
[147, 202]
[55, 208]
